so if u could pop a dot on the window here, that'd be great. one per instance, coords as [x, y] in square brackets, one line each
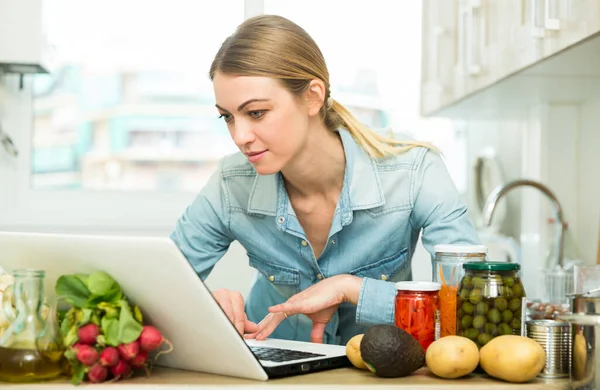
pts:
[130, 106]
[125, 131]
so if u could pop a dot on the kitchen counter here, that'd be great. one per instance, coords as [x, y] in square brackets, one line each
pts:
[344, 378]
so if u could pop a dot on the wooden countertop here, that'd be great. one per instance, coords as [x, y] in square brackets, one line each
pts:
[343, 378]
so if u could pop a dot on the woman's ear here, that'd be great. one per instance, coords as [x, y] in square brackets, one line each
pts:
[315, 97]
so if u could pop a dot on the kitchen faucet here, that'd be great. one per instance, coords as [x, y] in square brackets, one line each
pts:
[492, 200]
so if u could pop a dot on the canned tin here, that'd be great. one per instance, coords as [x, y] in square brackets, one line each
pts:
[555, 338]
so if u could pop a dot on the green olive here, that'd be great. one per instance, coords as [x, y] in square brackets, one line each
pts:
[478, 322]
[478, 282]
[460, 313]
[483, 338]
[482, 308]
[500, 303]
[507, 292]
[518, 290]
[494, 316]
[507, 316]
[468, 307]
[475, 296]
[514, 304]
[467, 321]
[515, 323]
[464, 294]
[504, 329]
[472, 334]
[517, 314]
[466, 282]
[490, 329]
[509, 281]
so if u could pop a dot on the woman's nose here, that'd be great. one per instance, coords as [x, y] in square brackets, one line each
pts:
[242, 134]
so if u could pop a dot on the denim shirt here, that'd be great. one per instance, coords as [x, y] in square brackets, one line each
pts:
[383, 206]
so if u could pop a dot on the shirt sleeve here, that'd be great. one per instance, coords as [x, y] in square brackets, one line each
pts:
[202, 232]
[441, 214]
[438, 207]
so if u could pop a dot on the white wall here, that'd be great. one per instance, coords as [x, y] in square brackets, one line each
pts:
[557, 144]
[588, 211]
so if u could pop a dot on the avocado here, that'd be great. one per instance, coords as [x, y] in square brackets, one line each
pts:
[390, 352]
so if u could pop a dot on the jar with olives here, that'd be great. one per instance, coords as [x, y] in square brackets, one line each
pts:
[489, 301]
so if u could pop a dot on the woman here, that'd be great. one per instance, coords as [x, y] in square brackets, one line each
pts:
[328, 210]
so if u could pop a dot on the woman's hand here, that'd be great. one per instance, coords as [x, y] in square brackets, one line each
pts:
[232, 304]
[319, 302]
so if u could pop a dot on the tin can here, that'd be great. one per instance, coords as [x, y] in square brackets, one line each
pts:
[417, 310]
[555, 338]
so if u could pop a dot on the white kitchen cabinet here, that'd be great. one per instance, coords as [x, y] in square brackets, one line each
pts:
[469, 45]
[438, 54]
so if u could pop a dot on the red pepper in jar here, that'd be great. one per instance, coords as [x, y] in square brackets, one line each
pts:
[417, 310]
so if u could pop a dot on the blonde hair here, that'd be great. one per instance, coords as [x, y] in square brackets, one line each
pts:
[273, 46]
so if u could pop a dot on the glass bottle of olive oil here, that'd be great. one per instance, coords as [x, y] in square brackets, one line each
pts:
[31, 348]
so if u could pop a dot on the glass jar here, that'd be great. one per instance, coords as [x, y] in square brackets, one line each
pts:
[490, 301]
[31, 349]
[448, 271]
[417, 310]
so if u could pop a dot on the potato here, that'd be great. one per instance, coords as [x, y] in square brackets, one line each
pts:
[353, 352]
[452, 357]
[512, 358]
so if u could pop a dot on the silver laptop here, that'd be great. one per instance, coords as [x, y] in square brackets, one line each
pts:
[155, 275]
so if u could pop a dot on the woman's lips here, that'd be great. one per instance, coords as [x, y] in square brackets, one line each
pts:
[255, 156]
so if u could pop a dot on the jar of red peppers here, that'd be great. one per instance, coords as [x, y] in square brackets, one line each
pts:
[417, 310]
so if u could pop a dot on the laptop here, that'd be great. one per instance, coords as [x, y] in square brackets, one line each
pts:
[155, 275]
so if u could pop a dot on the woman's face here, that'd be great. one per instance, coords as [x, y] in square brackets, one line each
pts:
[265, 121]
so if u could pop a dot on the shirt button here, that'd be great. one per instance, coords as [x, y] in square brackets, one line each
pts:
[304, 243]
[319, 276]
[384, 277]
[271, 278]
[281, 219]
[332, 242]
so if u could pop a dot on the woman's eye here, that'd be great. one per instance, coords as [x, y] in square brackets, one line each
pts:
[256, 114]
[226, 117]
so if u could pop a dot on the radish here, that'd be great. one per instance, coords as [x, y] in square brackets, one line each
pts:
[139, 360]
[121, 369]
[150, 338]
[109, 356]
[97, 373]
[129, 350]
[86, 354]
[88, 334]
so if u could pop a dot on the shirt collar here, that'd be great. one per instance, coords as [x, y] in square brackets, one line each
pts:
[361, 189]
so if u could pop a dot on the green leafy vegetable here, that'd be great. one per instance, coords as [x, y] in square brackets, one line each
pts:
[110, 329]
[72, 290]
[129, 328]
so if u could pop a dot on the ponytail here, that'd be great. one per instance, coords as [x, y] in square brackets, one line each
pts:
[375, 144]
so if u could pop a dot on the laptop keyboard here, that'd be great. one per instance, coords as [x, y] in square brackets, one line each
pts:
[281, 355]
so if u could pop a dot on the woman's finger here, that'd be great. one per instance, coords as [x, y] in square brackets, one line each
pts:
[249, 326]
[268, 325]
[225, 302]
[316, 335]
[239, 315]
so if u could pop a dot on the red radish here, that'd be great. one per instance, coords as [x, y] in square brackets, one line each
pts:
[86, 354]
[150, 338]
[97, 373]
[129, 350]
[139, 360]
[121, 369]
[109, 356]
[87, 334]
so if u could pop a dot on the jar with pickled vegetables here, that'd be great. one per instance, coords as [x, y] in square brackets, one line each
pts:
[417, 311]
[489, 301]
